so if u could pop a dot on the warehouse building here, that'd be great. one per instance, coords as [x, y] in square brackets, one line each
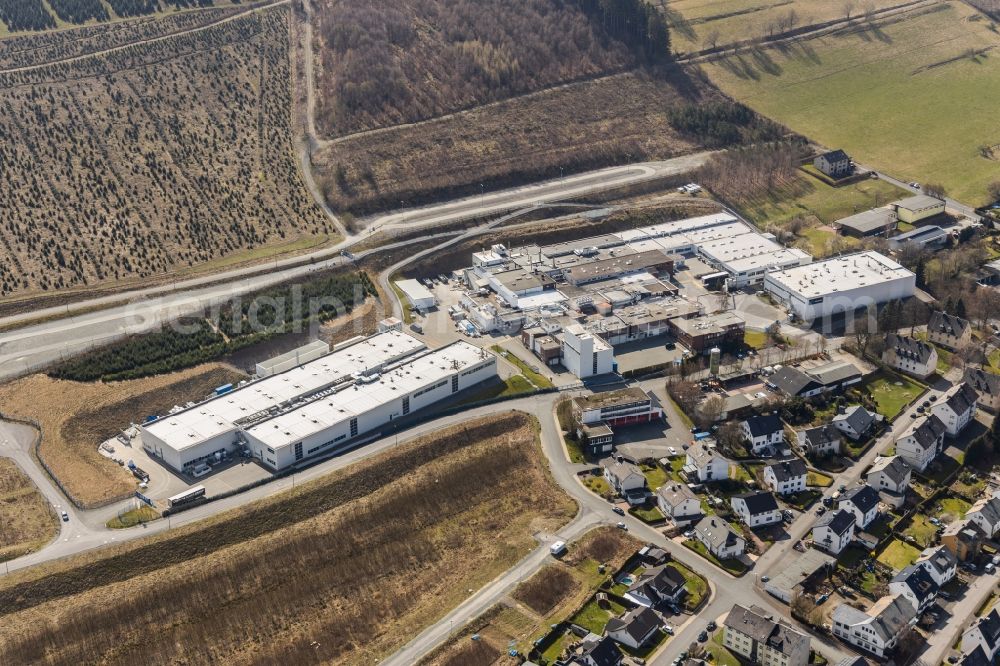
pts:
[917, 208]
[419, 296]
[319, 406]
[841, 284]
[874, 222]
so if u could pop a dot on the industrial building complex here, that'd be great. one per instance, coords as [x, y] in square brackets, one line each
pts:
[320, 406]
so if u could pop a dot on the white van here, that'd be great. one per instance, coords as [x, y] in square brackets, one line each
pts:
[558, 548]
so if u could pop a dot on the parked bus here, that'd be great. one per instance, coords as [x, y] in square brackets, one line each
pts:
[186, 497]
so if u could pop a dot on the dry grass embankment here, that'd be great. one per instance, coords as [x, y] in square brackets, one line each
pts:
[27, 522]
[547, 597]
[343, 569]
[75, 417]
[576, 127]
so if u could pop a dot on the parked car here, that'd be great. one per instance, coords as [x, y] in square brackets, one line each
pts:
[671, 450]
[765, 578]
[689, 534]
[820, 510]
[712, 626]
[828, 502]
[788, 515]
[620, 511]
[702, 637]
[622, 526]
[822, 599]
[669, 630]
[65, 517]
[932, 398]
[842, 488]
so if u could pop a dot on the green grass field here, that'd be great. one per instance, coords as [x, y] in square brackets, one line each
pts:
[131, 518]
[907, 97]
[536, 378]
[898, 555]
[953, 507]
[921, 530]
[819, 480]
[891, 393]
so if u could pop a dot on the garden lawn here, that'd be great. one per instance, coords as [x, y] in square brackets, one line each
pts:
[871, 89]
[922, 530]
[898, 555]
[721, 656]
[892, 392]
[649, 514]
[593, 617]
[655, 475]
[536, 378]
[733, 566]
[819, 480]
[755, 339]
[954, 507]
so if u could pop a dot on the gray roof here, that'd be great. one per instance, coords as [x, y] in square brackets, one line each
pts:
[939, 558]
[917, 202]
[836, 372]
[674, 493]
[792, 381]
[757, 502]
[859, 418]
[962, 398]
[989, 507]
[749, 622]
[919, 582]
[989, 627]
[982, 381]
[869, 220]
[701, 454]
[817, 437]
[620, 470]
[928, 234]
[893, 466]
[788, 641]
[942, 322]
[637, 623]
[926, 431]
[907, 347]
[663, 579]
[603, 652]
[764, 424]
[788, 469]
[716, 532]
[864, 497]
[837, 155]
[976, 658]
[891, 616]
[839, 521]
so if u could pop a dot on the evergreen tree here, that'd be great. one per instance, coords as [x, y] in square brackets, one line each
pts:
[960, 308]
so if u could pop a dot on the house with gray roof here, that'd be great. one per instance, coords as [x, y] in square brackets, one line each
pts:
[915, 584]
[940, 563]
[834, 531]
[678, 503]
[719, 538]
[656, 585]
[889, 473]
[921, 442]
[835, 163]
[855, 421]
[753, 634]
[600, 652]
[756, 509]
[987, 385]
[956, 408]
[985, 634]
[909, 355]
[821, 441]
[625, 479]
[704, 464]
[949, 331]
[878, 630]
[985, 514]
[786, 477]
[976, 658]
[828, 378]
[763, 432]
[862, 501]
[635, 628]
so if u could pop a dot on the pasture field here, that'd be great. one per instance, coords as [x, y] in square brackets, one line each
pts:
[908, 96]
[27, 522]
[345, 569]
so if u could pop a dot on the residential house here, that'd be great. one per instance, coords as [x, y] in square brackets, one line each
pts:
[878, 630]
[914, 583]
[625, 479]
[756, 509]
[763, 432]
[956, 408]
[921, 442]
[987, 385]
[831, 377]
[836, 164]
[657, 585]
[910, 355]
[963, 539]
[753, 634]
[821, 441]
[890, 473]
[940, 563]
[985, 633]
[600, 652]
[985, 514]
[719, 538]
[949, 331]
[786, 477]
[704, 464]
[834, 531]
[635, 629]
[976, 658]
[862, 501]
[855, 421]
[800, 575]
[676, 501]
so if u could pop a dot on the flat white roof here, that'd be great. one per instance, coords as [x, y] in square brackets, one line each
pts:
[216, 416]
[406, 378]
[779, 258]
[414, 291]
[854, 271]
[538, 300]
